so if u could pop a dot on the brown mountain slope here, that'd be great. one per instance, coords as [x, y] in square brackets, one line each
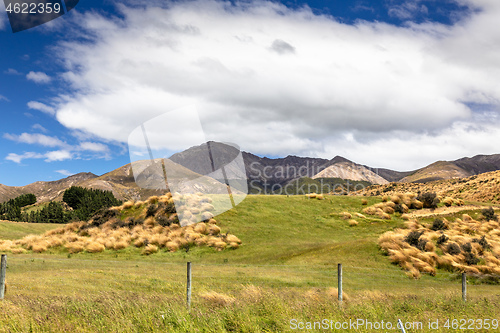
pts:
[436, 171]
[120, 181]
[352, 171]
[480, 188]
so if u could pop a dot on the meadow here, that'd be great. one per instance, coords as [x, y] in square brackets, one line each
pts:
[283, 274]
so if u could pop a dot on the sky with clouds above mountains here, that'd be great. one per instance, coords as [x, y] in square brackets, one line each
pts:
[386, 83]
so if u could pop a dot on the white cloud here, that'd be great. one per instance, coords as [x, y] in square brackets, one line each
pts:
[58, 155]
[38, 77]
[39, 127]
[18, 158]
[51, 156]
[65, 173]
[41, 107]
[407, 9]
[93, 146]
[328, 86]
[3, 98]
[36, 138]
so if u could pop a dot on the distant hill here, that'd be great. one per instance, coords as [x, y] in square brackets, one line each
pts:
[352, 171]
[262, 173]
[436, 171]
[484, 187]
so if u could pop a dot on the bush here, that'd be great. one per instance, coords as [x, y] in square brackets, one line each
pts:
[438, 224]
[442, 239]
[483, 242]
[471, 259]
[421, 244]
[399, 208]
[467, 248]
[413, 238]
[428, 199]
[453, 249]
[489, 214]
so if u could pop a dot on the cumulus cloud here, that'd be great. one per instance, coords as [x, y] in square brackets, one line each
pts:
[93, 146]
[40, 139]
[38, 77]
[65, 152]
[58, 155]
[37, 138]
[41, 107]
[368, 86]
[51, 156]
[17, 158]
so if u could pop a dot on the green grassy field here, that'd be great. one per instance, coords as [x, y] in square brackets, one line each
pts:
[283, 272]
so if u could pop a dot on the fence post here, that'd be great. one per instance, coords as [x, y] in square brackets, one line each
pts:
[401, 326]
[464, 287]
[339, 269]
[188, 288]
[3, 271]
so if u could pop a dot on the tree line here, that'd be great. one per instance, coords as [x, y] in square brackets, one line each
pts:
[84, 203]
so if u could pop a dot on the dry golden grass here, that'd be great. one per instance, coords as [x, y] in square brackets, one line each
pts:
[466, 246]
[353, 223]
[150, 249]
[334, 293]
[345, 215]
[217, 299]
[117, 235]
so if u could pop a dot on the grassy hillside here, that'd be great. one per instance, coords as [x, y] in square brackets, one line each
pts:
[285, 269]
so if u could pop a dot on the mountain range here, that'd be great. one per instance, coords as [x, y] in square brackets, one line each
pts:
[261, 172]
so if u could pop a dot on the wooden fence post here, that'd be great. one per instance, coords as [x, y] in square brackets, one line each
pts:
[3, 271]
[339, 271]
[188, 288]
[464, 287]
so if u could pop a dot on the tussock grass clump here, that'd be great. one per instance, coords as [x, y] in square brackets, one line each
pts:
[345, 215]
[353, 223]
[150, 249]
[124, 226]
[217, 299]
[465, 245]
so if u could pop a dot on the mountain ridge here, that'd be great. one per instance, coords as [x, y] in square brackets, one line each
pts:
[261, 171]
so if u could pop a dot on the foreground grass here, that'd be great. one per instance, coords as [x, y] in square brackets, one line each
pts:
[283, 271]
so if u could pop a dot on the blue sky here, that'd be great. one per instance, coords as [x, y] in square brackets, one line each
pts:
[395, 84]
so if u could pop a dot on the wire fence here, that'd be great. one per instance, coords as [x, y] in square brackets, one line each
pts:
[144, 275]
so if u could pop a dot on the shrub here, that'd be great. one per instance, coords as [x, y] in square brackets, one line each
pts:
[151, 210]
[453, 249]
[413, 238]
[483, 242]
[471, 259]
[438, 224]
[467, 247]
[421, 244]
[442, 239]
[489, 214]
[398, 208]
[428, 199]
